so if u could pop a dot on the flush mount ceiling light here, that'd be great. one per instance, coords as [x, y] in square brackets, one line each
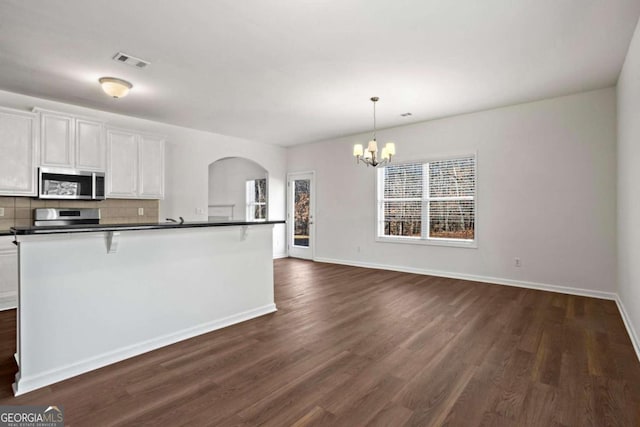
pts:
[114, 87]
[370, 157]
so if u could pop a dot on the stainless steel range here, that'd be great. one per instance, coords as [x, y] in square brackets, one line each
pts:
[71, 216]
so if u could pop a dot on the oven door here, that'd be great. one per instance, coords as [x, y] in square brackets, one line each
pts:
[68, 216]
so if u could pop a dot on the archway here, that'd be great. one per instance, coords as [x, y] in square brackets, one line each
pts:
[237, 190]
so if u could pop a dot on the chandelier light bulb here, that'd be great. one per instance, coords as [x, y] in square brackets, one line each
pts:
[373, 146]
[391, 148]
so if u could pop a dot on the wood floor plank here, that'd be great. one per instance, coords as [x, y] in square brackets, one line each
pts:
[363, 408]
[576, 397]
[317, 416]
[513, 386]
[470, 407]
[353, 346]
[290, 403]
[539, 406]
[440, 397]
[614, 406]
[391, 415]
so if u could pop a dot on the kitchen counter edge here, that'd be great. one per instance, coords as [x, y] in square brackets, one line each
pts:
[21, 231]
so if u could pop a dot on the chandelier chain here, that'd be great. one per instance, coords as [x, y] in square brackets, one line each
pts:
[374, 120]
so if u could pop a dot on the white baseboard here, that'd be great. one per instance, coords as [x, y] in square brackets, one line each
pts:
[24, 385]
[8, 303]
[474, 278]
[629, 325]
[278, 256]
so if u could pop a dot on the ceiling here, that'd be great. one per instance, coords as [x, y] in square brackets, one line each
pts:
[294, 71]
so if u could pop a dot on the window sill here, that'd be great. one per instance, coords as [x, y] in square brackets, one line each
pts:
[469, 244]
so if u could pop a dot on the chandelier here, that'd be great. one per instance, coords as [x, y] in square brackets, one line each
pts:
[370, 156]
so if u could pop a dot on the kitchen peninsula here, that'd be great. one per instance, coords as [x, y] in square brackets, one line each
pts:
[92, 295]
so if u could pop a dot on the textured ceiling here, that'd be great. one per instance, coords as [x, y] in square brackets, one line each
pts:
[294, 71]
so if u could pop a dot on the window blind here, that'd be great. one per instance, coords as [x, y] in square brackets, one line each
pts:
[434, 200]
[452, 178]
[402, 201]
[403, 181]
[452, 186]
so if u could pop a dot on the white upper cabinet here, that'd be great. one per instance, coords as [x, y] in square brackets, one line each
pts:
[133, 161]
[90, 146]
[151, 167]
[70, 141]
[56, 138]
[17, 153]
[122, 164]
[135, 165]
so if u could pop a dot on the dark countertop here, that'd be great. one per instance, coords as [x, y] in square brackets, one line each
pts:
[92, 228]
[6, 233]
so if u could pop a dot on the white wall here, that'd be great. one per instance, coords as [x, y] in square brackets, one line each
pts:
[628, 187]
[546, 194]
[228, 182]
[188, 155]
[189, 163]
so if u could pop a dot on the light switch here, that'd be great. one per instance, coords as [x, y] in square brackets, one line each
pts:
[1, 211]
[140, 211]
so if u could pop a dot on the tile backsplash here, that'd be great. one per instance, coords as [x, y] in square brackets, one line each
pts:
[18, 211]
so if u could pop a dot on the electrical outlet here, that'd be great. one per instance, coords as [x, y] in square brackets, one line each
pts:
[199, 211]
[1, 211]
[140, 211]
[516, 262]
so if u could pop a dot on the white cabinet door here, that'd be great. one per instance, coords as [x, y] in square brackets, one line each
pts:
[56, 139]
[90, 147]
[8, 273]
[17, 153]
[122, 164]
[135, 165]
[71, 142]
[151, 167]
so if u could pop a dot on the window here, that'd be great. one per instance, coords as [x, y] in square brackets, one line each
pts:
[301, 211]
[430, 202]
[257, 199]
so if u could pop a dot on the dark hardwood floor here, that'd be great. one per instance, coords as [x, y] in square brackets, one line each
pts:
[354, 347]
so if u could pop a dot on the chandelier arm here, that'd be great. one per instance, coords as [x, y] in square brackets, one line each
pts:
[372, 161]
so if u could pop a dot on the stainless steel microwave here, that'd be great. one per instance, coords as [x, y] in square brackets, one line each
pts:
[70, 184]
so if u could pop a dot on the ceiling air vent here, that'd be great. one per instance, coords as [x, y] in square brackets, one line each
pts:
[125, 58]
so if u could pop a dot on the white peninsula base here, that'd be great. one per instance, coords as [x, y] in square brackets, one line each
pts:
[90, 299]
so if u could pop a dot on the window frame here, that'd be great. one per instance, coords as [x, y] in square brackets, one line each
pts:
[429, 241]
[251, 204]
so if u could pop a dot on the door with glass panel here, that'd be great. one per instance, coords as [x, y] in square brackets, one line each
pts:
[300, 215]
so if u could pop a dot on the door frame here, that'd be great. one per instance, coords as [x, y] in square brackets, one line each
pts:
[312, 212]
